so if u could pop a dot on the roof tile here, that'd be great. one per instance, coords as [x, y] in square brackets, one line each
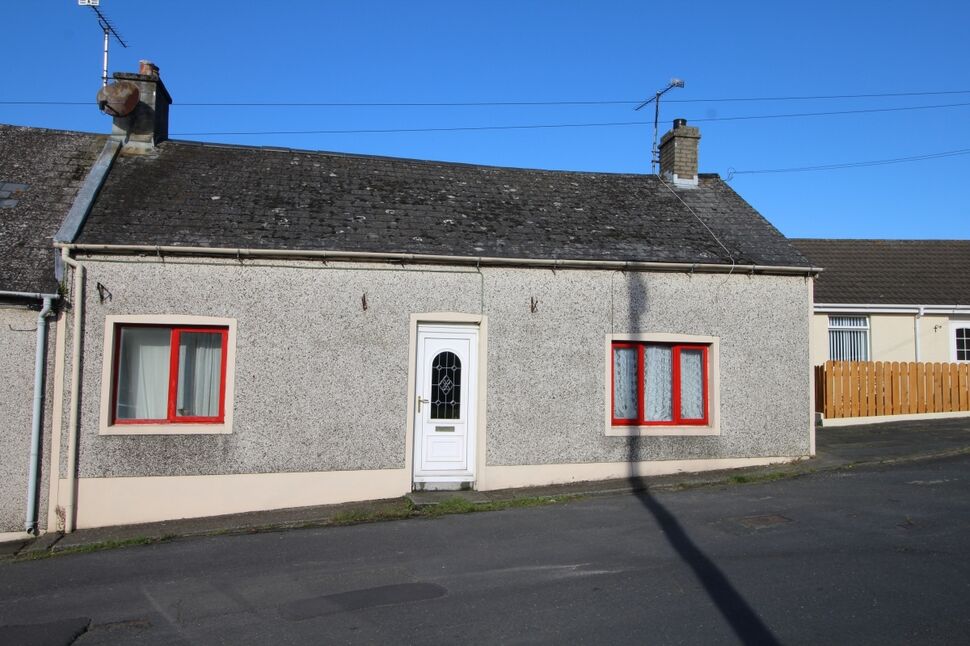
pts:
[225, 196]
[890, 272]
[42, 171]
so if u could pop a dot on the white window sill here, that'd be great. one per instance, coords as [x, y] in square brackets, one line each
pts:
[165, 429]
[638, 431]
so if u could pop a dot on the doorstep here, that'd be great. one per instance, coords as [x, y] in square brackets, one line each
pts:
[422, 499]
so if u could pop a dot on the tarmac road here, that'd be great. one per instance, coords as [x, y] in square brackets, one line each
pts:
[865, 555]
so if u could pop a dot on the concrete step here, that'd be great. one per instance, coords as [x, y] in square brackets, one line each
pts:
[421, 499]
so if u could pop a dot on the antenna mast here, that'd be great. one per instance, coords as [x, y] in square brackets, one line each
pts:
[108, 29]
[655, 152]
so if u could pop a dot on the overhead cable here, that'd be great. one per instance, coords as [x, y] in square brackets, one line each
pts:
[435, 104]
[857, 164]
[555, 125]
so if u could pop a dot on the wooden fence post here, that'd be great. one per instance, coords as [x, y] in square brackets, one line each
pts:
[829, 390]
[937, 388]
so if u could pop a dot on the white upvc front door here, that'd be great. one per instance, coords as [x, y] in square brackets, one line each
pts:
[446, 404]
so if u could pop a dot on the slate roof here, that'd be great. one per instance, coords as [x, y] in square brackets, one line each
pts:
[897, 272]
[246, 197]
[40, 173]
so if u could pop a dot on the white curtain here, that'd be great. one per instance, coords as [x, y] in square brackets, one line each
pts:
[692, 384]
[624, 383]
[658, 383]
[200, 370]
[143, 373]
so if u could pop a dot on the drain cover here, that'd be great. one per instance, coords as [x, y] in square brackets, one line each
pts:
[761, 522]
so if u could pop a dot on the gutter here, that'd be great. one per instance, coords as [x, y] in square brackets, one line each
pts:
[472, 261]
[33, 296]
[916, 319]
[880, 308]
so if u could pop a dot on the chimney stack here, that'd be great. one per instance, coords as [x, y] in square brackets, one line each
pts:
[678, 154]
[146, 125]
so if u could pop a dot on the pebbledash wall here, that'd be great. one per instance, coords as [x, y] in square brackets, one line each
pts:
[18, 344]
[321, 404]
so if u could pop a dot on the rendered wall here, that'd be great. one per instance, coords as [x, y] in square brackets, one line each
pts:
[18, 343]
[820, 339]
[936, 337]
[321, 382]
[892, 338]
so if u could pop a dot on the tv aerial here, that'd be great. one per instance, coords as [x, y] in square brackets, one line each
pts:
[655, 99]
[108, 29]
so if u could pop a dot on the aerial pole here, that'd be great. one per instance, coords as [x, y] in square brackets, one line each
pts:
[654, 151]
[108, 29]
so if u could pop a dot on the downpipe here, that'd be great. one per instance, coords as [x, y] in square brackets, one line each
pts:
[916, 332]
[77, 304]
[33, 478]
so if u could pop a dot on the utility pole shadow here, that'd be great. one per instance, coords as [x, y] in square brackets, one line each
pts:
[744, 621]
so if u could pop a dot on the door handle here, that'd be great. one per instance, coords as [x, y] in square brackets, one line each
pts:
[422, 400]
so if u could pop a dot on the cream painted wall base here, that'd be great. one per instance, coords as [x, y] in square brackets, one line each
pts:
[535, 475]
[9, 537]
[103, 502]
[876, 419]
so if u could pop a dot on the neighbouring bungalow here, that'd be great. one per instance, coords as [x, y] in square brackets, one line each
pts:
[890, 300]
[257, 328]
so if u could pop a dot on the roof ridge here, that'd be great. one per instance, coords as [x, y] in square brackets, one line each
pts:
[415, 160]
[14, 126]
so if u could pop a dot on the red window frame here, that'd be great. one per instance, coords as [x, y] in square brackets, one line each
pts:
[173, 375]
[677, 419]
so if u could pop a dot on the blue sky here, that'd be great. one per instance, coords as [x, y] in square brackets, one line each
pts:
[422, 51]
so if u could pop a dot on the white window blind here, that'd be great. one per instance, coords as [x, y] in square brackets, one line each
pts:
[849, 338]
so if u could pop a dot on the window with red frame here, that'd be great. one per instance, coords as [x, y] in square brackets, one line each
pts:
[169, 374]
[660, 384]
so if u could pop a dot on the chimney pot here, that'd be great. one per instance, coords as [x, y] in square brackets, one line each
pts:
[678, 154]
[147, 68]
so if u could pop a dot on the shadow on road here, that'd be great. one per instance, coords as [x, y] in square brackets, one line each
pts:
[733, 607]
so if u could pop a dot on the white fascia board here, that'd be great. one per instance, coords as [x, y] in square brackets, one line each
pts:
[873, 308]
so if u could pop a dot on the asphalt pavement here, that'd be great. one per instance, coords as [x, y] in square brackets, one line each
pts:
[866, 554]
[838, 448]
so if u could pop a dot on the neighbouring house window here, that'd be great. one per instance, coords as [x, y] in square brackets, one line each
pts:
[660, 384]
[962, 339]
[169, 374]
[849, 338]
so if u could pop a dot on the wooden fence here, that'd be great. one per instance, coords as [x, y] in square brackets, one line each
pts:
[863, 389]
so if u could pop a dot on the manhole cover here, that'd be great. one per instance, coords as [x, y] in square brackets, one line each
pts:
[761, 522]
